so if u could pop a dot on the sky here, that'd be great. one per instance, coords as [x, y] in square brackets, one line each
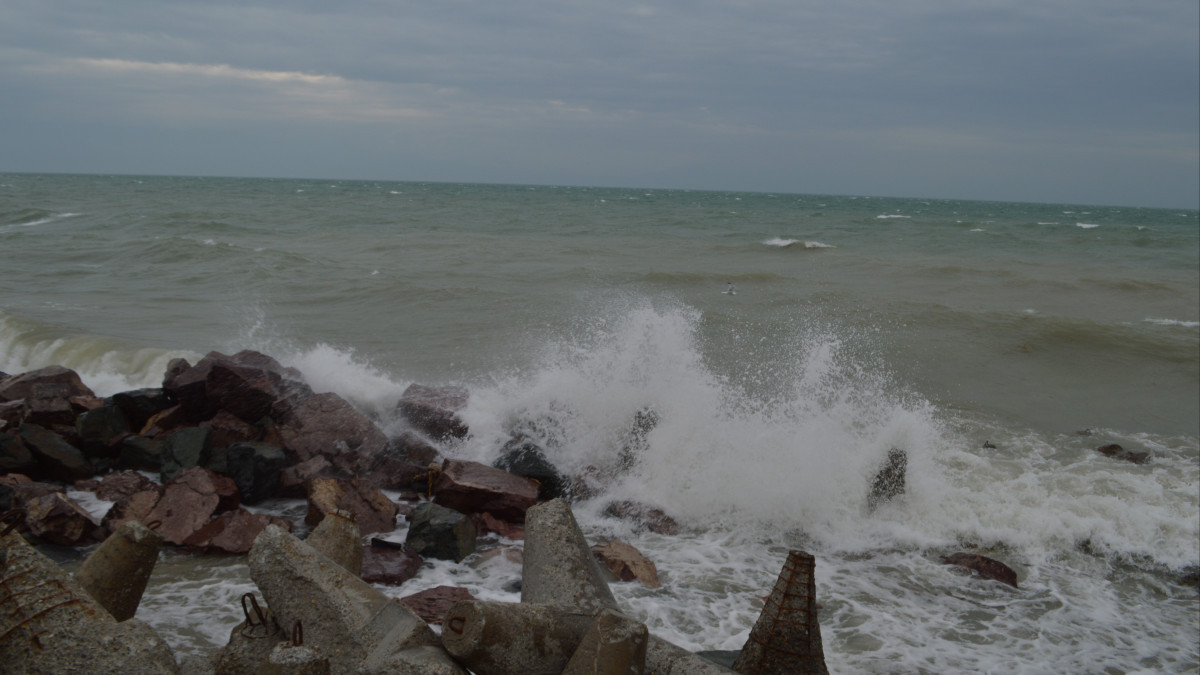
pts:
[1064, 101]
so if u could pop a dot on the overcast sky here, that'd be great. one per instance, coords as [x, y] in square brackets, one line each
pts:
[1080, 101]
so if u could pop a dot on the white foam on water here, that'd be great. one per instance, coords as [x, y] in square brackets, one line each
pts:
[784, 243]
[1087, 226]
[885, 216]
[1174, 322]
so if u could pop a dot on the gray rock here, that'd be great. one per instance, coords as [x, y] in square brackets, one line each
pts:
[255, 468]
[439, 532]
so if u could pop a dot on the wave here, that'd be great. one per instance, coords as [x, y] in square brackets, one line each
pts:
[886, 216]
[1174, 322]
[1087, 226]
[780, 242]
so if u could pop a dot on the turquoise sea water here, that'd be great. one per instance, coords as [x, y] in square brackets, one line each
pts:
[858, 324]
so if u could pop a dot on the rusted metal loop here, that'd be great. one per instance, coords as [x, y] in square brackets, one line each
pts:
[457, 624]
[297, 634]
[262, 620]
[13, 517]
[154, 524]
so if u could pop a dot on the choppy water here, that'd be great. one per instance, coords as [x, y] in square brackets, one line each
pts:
[859, 324]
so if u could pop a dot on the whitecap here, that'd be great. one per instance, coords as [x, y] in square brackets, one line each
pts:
[1174, 322]
[780, 242]
[1087, 226]
[885, 216]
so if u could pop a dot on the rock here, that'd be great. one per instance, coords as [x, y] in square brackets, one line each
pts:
[413, 448]
[141, 453]
[23, 386]
[389, 566]
[13, 413]
[439, 532]
[184, 449]
[559, 567]
[486, 522]
[55, 457]
[370, 508]
[614, 643]
[664, 657]
[247, 384]
[228, 429]
[433, 603]
[345, 619]
[393, 473]
[245, 392]
[14, 456]
[115, 574]
[139, 405]
[294, 480]
[326, 425]
[986, 567]
[495, 638]
[121, 485]
[646, 517]
[786, 639]
[471, 487]
[1116, 451]
[189, 501]
[162, 423]
[434, 410]
[48, 624]
[101, 430]
[889, 481]
[338, 539]
[57, 519]
[290, 658]
[233, 531]
[137, 506]
[522, 457]
[255, 468]
[626, 563]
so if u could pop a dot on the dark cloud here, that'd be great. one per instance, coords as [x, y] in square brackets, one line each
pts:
[1080, 100]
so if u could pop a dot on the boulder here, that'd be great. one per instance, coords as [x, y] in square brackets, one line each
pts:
[139, 405]
[486, 522]
[55, 457]
[232, 531]
[433, 603]
[626, 563]
[295, 479]
[101, 430]
[1118, 452]
[48, 624]
[366, 504]
[228, 429]
[57, 519]
[644, 516]
[439, 532]
[471, 487]
[394, 473]
[12, 413]
[434, 410]
[326, 425]
[189, 501]
[889, 481]
[389, 566]
[14, 456]
[166, 421]
[412, 448]
[255, 468]
[137, 506]
[248, 384]
[345, 619]
[24, 385]
[141, 453]
[119, 486]
[987, 568]
[184, 449]
[524, 458]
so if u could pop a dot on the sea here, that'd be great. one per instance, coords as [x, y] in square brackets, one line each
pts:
[997, 344]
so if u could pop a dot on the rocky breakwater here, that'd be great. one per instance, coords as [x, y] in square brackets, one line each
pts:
[178, 465]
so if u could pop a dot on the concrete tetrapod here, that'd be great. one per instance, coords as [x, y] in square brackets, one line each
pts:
[115, 574]
[614, 645]
[559, 569]
[786, 639]
[343, 618]
[504, 638]
[48, 624]
[337, 537]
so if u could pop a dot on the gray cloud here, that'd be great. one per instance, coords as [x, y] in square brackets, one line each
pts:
[1076, 100]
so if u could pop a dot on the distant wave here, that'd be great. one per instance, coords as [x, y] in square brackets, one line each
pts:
[885, 216]
[780, 242]
[1087, 226]
[1174, 322]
